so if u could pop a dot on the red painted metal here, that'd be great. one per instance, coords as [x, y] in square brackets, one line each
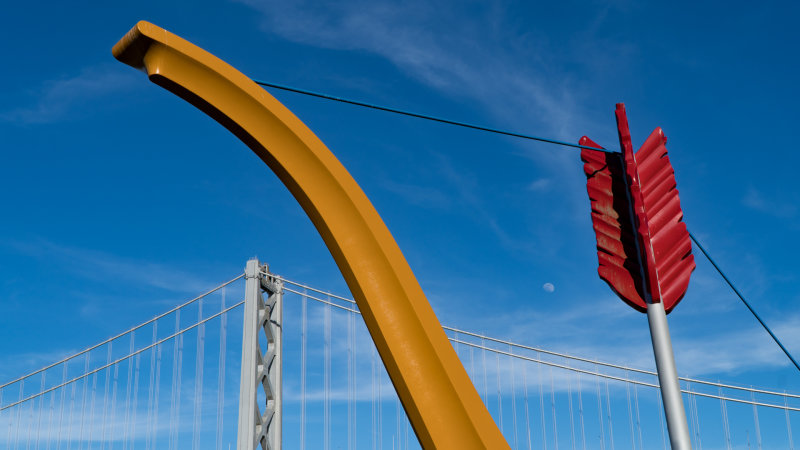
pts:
[643, 246]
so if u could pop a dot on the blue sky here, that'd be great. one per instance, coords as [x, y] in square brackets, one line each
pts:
[121, 200]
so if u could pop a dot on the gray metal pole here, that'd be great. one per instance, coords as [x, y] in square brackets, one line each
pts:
[679, 436]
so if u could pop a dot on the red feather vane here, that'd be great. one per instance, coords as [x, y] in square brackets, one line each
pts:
[643, 246]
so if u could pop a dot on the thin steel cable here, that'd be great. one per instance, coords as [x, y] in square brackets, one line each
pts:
[571, 412]
[610, 421]
[105, 399]
[499, 393]
[600, 411]
[91, 413]
[223, 336]
[553, 407]
[541, 405]
[83, 402]
[630, 411]
[746, 303]
[788, 424]
[527, 413]
[19, 414]
[154, 427]
[374, 422]
[114, 399]
[536, 349]
[30, 425]
[514, 404]
[174, 386]
[755, 419]
[725, 425]
[349, 384]
[485, 382]
[327, 378]
[135, 415]
[661, 417]
[638, 416]
[151, 391]
[423, 116]
[128, 389]
[41, 406]
[303, 339]
[123, 358]
[580, 411]
[198, 378]
[130, 330]
[50, 419]
[693, 433]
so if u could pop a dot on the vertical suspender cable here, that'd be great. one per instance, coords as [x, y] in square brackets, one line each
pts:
[151, 390]
[600, 409]
[725, 426]
[499, 392]
[41, 406]
[755, 419]
[173, 400]
[350, 342]
[374, 423]
[91, 412]
[788, 423]
[661, 418]
[49, 418]
[303, 339]
[485, 382]
[638, 416]
[135, 415]
[223, 336]
[541, 403]
[114, 402]
[128, 388]
[630, 410]
[553, 407]
[355, 383]
[610, 421]
[30, 424]
[198, 377]
[19, 412]
[327, 375]
[580, 412]
[527, 412]
[83, 401]
[513, 401]
[571, 412]
[154, 425]
[109, 370]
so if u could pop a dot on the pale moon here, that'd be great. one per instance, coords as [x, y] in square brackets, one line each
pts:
[548, 287]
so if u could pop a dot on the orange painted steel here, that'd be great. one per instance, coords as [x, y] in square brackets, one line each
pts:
[442, 404]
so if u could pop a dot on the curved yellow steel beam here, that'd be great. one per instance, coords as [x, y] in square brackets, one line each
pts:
[442, 404]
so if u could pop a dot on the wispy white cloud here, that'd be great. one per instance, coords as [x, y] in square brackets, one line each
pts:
[60, 98]
[775, 207]
[99, 265]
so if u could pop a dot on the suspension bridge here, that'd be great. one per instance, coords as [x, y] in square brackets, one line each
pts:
[175, 382]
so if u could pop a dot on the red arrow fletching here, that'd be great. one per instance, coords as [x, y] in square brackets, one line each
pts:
[643, 246]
